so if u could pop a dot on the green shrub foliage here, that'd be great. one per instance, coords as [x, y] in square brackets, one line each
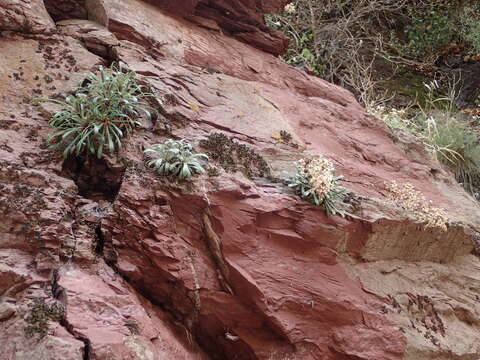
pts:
[428, 33]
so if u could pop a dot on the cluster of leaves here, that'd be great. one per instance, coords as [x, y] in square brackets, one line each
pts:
[316, 183]
[40, 315]
[233, 156]
[100, 113]
[285, 137]
[175, 158]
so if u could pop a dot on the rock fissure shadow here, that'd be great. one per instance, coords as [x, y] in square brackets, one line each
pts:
[194, 324]
[66, 9]
[58, 293]
[100, 242]
[205, 330]
[87, 348]
[109, 256]
[61, 10]
[95, 178]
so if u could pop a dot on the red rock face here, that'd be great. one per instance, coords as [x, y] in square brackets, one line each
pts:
[28, 17]
[240, 19]
[224, 267]
[272, 284]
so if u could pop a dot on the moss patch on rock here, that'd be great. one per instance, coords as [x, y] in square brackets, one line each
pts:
[41, 313]
[233, 156]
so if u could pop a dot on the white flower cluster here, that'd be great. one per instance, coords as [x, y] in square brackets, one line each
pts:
[320, 173]
[417, 205]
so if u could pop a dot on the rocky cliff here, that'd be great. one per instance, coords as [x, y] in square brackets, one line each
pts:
[102, 259]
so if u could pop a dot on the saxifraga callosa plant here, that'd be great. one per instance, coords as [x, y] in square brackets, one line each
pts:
[175, 158]
[315, 182]
[99, 114]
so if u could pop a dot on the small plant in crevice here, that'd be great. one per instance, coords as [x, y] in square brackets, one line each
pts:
[175, 158]
[213, 171]
[132, 326]
[286, 138]
[104, 109]
[41, 313]
[233, 156]
[415, 203]
[315, 182]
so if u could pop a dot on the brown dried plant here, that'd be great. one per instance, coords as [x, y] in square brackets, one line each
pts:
[415, 203]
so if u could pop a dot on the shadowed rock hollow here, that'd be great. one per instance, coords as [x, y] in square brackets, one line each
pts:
[230, 267]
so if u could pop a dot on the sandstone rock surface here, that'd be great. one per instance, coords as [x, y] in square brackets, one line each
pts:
[121, 264]
[26, 16]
